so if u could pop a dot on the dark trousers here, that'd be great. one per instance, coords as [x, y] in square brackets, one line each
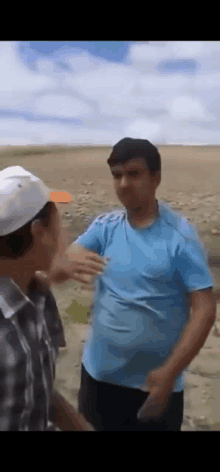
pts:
[111, 407]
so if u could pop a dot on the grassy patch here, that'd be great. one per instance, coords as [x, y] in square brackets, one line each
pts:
[78, 312]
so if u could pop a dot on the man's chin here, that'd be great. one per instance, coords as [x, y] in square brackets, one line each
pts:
[133, 208]
[43, 268]
[128, 204]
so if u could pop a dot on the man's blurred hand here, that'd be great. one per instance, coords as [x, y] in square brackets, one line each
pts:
[65, 417]
[160, 387]
[75, 263]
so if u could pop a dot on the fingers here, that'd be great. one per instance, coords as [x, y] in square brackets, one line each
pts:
[77, 257]
[96, 258]
[75, 266]
[91, 264]
[103, 261]
[94, 267]
[86, 264]
[81, 281]
[89, 271]
[62, 277]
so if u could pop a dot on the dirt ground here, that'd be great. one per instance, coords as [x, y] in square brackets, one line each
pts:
[190, 183]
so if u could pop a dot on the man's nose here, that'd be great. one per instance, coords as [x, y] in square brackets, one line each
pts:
[124, 182]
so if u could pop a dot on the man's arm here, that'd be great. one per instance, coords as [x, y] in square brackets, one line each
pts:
[45, 284]
[202, 318]
[65, 417]
[160, 381]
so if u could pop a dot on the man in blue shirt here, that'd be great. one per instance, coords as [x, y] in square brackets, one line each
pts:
[142, 333]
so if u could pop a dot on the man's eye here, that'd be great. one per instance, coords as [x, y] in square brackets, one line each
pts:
[116, 176]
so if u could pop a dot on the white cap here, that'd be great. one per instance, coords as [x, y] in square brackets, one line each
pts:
[22, 196]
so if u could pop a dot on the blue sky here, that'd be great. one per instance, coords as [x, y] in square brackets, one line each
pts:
[98, 92]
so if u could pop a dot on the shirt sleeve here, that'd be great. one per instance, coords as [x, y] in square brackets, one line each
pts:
[9, 374]
[54, 322]
[192, 265]
[92, 239]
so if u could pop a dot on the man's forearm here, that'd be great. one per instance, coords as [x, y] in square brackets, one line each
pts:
[64, 416]
[189, 345]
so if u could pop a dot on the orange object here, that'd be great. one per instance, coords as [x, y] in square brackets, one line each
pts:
[60, 197]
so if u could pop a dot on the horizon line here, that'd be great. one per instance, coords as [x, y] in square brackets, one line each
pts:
[98, 145]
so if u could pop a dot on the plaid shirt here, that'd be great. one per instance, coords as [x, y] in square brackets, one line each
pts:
[30, 335]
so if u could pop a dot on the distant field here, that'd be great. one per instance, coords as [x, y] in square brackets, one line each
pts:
[183, 151]
[36, 150]
[188, 169]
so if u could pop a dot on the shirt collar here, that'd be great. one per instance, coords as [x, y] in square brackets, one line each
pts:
[152, 221]
[12, 298]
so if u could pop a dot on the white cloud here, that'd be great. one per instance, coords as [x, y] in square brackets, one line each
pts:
[113, 79]
[207, 81]
[172, 50]
[15, 141]
[15, 76]
[62, 106]
[120, 90]
[187, 49]
[83, 61]
[161, 83]
[15, 100]
[143, 129]
[45, 66]
[188, 108]
[148, 53]
[50, 132]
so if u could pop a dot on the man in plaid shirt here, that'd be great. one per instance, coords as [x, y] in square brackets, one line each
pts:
[31, 331]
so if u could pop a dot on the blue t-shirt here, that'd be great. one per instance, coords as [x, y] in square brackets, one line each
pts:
[140, 303]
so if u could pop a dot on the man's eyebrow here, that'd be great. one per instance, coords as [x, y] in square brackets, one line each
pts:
[128, 172]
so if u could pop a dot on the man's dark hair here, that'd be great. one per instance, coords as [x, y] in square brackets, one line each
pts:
[18, 243]
[129, 148]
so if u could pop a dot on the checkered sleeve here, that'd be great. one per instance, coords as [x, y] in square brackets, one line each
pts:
[54, 322]
[12, 370]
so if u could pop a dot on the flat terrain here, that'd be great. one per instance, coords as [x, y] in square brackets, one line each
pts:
[191, 184]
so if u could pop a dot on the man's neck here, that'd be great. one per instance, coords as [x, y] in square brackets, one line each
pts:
[21, 278]
[143, 218]
[23, 284]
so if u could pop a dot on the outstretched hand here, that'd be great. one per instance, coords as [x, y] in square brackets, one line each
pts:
[75, 263]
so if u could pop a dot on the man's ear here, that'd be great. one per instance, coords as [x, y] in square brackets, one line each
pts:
[158, 178]
[36, 228]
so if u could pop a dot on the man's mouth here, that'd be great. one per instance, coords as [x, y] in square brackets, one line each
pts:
[126, 197]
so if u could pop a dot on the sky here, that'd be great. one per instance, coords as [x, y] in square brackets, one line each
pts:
[98, 92]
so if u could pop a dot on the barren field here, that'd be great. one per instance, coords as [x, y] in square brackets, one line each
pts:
[191, 184]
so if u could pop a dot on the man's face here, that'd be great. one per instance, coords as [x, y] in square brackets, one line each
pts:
[50, 240]
[133, 183]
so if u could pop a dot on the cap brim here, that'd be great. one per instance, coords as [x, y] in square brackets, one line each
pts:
[60, 196]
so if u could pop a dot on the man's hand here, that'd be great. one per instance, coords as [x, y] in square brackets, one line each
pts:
[65, 417]
[74, 263]
[157, 403]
